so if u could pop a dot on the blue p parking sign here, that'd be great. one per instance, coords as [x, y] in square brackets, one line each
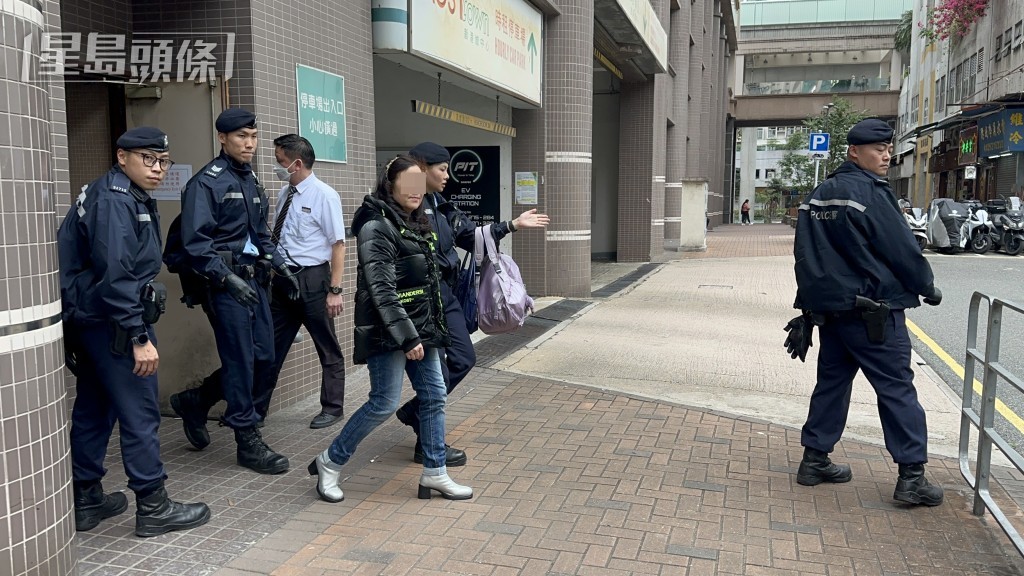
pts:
[818, 142]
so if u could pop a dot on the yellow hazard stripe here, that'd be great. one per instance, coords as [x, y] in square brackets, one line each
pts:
[442, 113]
[1003, 410]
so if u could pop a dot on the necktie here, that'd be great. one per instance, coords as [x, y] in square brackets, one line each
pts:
[282, 215]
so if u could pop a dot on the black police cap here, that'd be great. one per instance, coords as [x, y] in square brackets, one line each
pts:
[430, 153]
[144, 137]
[869, 131]
[235, 119]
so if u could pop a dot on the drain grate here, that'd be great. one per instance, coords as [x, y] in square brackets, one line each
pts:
[624, 282]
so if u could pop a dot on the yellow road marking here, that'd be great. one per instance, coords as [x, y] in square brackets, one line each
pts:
[1001, 408]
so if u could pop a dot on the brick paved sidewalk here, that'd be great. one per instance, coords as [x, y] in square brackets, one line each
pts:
[570, 480]
[737, 241]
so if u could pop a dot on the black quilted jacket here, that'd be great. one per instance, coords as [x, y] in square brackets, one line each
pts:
[398, 299]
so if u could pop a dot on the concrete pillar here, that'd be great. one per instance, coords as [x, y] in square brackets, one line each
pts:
[895, 71]
[748, 165]
[36, 516]
[556, 142]
[694, 188]
[676, 139]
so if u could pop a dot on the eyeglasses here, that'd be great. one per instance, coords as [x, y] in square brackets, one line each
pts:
[149, 161]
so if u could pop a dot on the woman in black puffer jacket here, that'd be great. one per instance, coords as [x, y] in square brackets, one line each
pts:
[399, 318]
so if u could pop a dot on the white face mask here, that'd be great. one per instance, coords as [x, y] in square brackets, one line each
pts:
[282, 173]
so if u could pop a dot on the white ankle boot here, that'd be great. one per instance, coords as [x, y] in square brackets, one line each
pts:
[329, 475]
[445, 485]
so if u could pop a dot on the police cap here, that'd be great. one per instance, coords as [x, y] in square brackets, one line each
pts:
[430, 153]
[144, 137]
[235, 119]
[869, 131]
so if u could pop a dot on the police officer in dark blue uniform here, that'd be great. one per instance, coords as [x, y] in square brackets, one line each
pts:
[858, 268]
[452, 228]
[227, 241]
[109, 246]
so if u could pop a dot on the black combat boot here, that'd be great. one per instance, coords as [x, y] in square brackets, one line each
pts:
[914, 488]
[254, 454]
[157, 514]
[92, 505]
[193, 409]
[816, 467]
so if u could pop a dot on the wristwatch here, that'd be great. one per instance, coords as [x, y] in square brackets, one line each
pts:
[141, 339]
[334, 289]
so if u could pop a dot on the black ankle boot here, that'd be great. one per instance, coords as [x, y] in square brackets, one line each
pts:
[913, 488]
[453, 456]
[816, 467]
[92, 505]
[254, 454]
[157, 514]
[190, 406]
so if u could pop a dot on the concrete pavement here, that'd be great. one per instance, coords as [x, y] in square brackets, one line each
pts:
[653, 432]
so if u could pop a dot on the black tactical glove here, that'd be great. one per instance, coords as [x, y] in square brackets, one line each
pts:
[933, 299]
[290, 282]
[241, 291]
[799, 339]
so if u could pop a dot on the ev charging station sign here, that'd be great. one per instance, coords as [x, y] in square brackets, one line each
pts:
[474, 182]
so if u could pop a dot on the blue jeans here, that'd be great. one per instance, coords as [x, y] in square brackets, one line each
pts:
[387, 371]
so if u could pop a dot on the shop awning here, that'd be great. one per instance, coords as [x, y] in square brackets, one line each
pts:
[959, 117]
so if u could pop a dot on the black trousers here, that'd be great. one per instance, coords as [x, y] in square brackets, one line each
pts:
[309, 311]
[845, 349]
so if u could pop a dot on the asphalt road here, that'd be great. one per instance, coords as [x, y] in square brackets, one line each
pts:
[959, 277]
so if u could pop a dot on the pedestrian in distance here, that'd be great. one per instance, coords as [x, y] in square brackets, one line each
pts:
[309, 232]
[226, 242]
[399, 321]
[858, 268]
[454, 228]
[109, 250]
[745, 213]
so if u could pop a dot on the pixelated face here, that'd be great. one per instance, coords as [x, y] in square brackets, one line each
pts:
[409, 188]
[872, 157]
[437, 176]
[240, 145]
[146, 168]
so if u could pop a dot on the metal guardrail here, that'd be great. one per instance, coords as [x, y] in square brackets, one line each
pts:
[984, 422]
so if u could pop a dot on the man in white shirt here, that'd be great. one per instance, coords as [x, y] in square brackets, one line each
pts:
[309, 231]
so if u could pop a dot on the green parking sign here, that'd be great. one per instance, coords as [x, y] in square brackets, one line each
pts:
[321, 104]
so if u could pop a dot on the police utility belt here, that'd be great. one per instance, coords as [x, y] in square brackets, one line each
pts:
[153, 298]
[259, 269]
[873, 314]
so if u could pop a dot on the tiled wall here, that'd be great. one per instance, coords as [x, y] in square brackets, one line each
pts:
[694, 157]
[35, 531]
[637, 146]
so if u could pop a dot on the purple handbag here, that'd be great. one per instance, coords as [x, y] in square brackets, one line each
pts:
[502, 301]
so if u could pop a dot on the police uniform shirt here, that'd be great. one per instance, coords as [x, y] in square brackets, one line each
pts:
[313, 225]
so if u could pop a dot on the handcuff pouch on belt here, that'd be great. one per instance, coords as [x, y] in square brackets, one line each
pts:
[154, 302]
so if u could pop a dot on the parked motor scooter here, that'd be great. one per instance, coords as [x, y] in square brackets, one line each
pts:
[1007, 227]
[917, 220]
[974, 232]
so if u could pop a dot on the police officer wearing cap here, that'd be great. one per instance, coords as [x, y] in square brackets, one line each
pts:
[453, 229]
[225, 235]
[858, 268]
[109, 248]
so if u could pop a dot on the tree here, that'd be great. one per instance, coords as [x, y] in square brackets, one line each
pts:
[904, 32]
[771, 198]
[796, 168]
[836, 121]
[952, 19]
